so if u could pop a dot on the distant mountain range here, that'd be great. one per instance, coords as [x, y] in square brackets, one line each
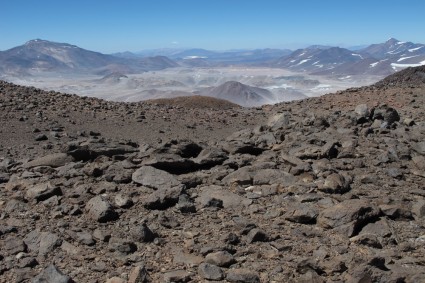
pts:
[382, 59]
[377, 59]
[46, 56]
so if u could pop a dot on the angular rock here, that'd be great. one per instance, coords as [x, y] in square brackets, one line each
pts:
[116, 280]
[353, 214]
[43, 191]
[242, 276]
[53, 160]
[100, 210]
[220, 258]
[48, 243]
[154, 178]
[123, 201]
[336, 183]
[92, 149]
[32, 240]
[210, 272]
[142, 233]
[139, 274]
[163, 198]
[228, 198]
[418, 209]
[273, 176]
[185, 204]
[12, 245]
[51, 275]
[419, 147]
[210, 157]
[122, 246]
[177, 276]
[362, 110]
[302, 213]
[257, 235]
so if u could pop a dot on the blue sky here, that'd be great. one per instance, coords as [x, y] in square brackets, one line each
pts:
[112, 26]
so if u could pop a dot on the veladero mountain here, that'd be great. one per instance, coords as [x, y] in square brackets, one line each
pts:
[241, 94]
[327, 189]
[394, 48]
[46, 56]
[317, 59]
[382, 59]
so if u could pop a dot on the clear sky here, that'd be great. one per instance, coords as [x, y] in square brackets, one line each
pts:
[113, 26]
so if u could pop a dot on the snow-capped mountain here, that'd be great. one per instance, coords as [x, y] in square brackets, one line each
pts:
[394, 48]
[382, 59]
[314, 59]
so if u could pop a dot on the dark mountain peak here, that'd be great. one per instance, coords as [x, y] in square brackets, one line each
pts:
[241, 94]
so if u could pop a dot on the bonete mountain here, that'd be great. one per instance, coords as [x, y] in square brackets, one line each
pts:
[200, 189]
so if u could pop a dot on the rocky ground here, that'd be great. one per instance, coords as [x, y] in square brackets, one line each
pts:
[327, 189]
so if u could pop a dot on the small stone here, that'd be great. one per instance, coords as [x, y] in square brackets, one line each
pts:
[85, 238]
[220, 258]
[43, 191]
[362, 110]
[101, 235]
[256, 235]
[123, 201]
[336, 184]
[13, 246]
[185, 204]
[242, 276]
[115, 280]
[51, 275]
[418, 209]
[142, 233]
[100, 210]
[151, 177]
[177, 276]
[41, 137]
[210, 271]
[122, 246]
[27, 262]
[139, 274]
[48, 243]
[163, 198]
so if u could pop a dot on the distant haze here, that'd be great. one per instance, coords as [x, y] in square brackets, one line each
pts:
[110, 26]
